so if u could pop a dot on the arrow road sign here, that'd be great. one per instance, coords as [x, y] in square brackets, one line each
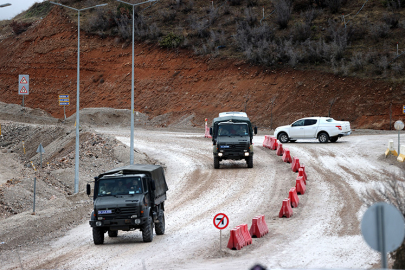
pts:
[221, 221]
[40, 149]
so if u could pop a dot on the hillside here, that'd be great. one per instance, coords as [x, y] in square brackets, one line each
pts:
[179, 83]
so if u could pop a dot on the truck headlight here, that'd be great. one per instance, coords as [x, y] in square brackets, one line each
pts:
[137, 221]
[99, 223]
[220, 154]
[246, 154]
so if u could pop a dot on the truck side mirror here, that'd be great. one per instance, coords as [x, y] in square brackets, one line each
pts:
[88, 189]
[211, 131]
[152, 184]
[255, 130]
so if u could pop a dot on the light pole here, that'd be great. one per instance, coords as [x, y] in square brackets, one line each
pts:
[78, 90]
[5, 5]
[131, 144]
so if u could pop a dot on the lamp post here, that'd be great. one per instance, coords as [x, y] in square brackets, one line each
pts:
[131, 144]
[78, 90]
[5, 5]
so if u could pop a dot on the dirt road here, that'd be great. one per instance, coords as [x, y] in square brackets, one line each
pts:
[324, 231]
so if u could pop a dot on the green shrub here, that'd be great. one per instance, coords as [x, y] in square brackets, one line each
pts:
[39, 10]
[170, 41]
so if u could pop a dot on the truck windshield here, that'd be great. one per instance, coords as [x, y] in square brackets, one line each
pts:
[233, 129]
[119, 186]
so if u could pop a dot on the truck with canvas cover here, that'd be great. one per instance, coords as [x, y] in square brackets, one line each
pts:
[232, 137]
[129, 198]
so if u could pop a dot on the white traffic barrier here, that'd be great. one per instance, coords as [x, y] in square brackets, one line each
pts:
[401, 156]
[391, 149]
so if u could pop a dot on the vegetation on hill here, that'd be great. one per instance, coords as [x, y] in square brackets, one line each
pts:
[349, 38]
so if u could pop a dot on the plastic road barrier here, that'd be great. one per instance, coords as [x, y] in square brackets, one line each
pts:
[301, 174]
[304, 173]
[391, 149]
[236, 240]
[401, 157]
[286, 210]
[245, 234]
[300, 186]
[286, 156]
[295, 165]
[293, 196]
[280, 150]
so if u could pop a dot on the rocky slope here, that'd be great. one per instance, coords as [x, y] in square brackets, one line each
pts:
[178, 84]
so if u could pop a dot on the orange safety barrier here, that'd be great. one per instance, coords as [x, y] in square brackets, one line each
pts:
[293, 196]
[266, 142]
[245, 234]
[287, 156]
[295, 165]
[280, 150]
[286, 210]
[305, 174]
[300, 186]
[301, 173]
[236, 240]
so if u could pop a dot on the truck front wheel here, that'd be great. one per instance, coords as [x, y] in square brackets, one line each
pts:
[147, 230]
[98, 236]
[249, 161]
[160, 226]
[323, 137]
[216, 162]
[283, 137]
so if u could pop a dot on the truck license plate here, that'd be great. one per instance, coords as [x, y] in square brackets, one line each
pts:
[104, 212]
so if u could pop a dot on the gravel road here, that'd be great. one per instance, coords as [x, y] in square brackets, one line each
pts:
[324, 231]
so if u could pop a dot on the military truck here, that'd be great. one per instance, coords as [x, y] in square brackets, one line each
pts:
[129, 198]
[232, 137]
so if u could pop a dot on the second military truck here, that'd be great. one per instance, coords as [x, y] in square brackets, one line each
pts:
[232, 136]
[129, 198]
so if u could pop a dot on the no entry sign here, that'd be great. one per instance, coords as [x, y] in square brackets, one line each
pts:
[221, 221]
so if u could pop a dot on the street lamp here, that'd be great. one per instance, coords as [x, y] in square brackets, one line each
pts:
[78, 90]
[131, 145]
[5, 5]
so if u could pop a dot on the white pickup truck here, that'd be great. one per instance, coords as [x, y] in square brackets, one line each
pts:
[322, 128]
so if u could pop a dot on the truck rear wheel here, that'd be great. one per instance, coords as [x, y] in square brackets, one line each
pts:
[323, 137]
[112, 233]
[216, 162]
[249, 161]
[160, 226]
[147, 230]
[98, 236]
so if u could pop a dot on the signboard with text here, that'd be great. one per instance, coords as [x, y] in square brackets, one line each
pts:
[64, 100]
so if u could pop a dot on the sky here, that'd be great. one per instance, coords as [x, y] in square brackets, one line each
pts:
[17, 6]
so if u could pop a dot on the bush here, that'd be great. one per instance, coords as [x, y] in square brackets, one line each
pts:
[235, 2]
[378, 31]
[250, 17]
[283, 12]
[391, 19]
[19, 27]
[167, 16]
[39, 10]
[301, 32]
[357, 61]
[170, 41]
[333, 5]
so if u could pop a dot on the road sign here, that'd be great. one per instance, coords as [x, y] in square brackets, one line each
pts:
[23, 84]
[40, 149]
[403, 109]
[383, 228]
[64, 100]
[221, 221]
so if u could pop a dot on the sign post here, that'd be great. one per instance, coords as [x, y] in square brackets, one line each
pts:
[399, 125]
[383, 229]
[23, 86]
[221, 221]
[63, 101]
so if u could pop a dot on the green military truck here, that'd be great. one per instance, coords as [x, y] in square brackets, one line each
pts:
[232, 137]
[129, 198]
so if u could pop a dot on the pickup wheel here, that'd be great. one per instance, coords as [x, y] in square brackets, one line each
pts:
[112, 233]
[98, 236]
[147, 230]
[216, 162]
[283, 137]
[249, 161]
[323, 137]
[160, 226]
[334, 139]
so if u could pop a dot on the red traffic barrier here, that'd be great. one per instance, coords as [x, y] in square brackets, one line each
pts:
[207, 132]
[304, 173]
[292, 195]
[266, 142]
[280, 150]
[274, 144]
[264, 224]
[236, 240]
[295, 165]
[300, 186]
[257, 229]
[286, 156]
[301, 173]
[286, 210]
[271, 142]
[245, 233]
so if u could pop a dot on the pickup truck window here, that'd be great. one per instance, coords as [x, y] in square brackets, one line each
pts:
[298, 123]
[310, 122]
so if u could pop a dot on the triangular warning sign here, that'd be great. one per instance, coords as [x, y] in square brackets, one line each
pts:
[23, 80]
[23, 90]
